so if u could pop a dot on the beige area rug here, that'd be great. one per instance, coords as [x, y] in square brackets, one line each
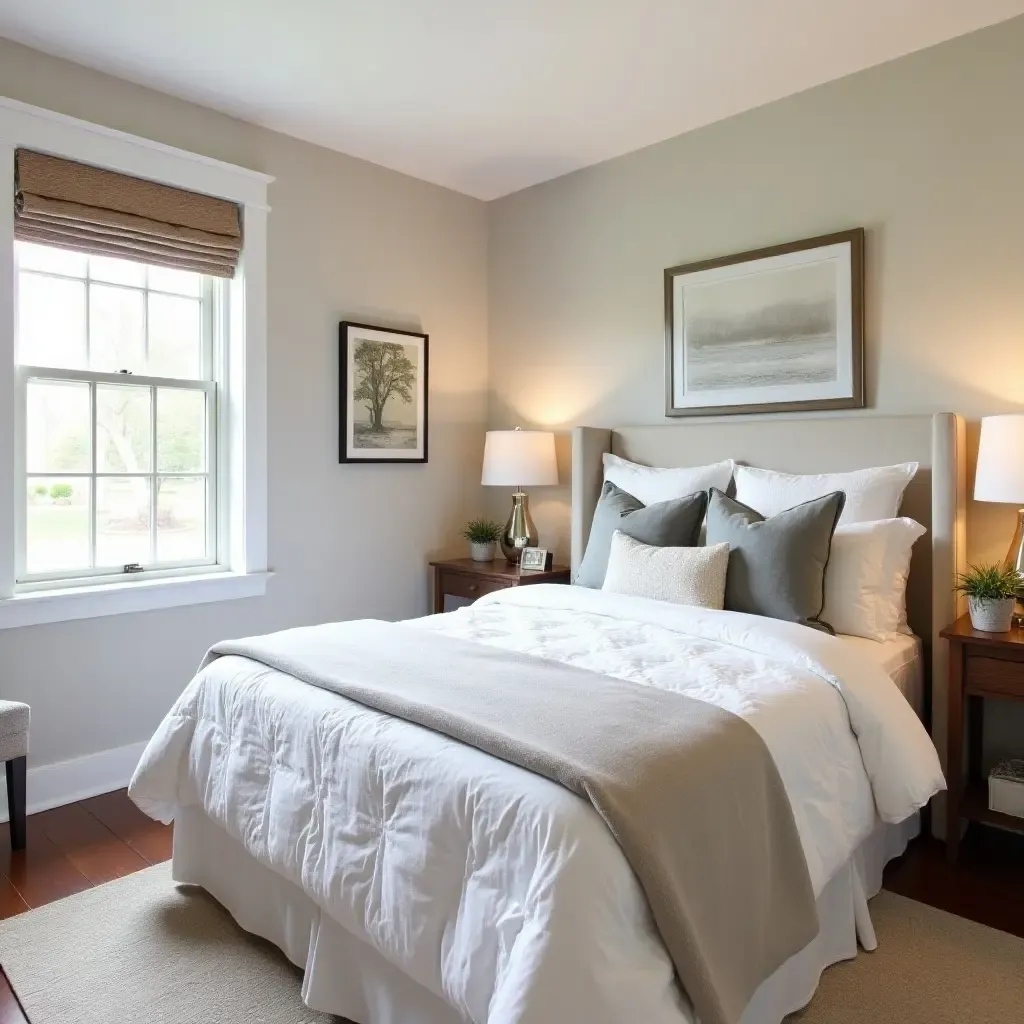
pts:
[930, 968]
[140, 949]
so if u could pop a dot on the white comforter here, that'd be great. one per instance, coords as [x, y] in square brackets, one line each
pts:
[493, 887]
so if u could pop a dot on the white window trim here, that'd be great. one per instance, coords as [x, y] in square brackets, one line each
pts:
[243, 491]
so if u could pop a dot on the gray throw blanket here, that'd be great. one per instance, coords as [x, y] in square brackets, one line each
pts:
[689, 791]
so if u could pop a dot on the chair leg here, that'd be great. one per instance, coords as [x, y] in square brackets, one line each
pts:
[16, 769]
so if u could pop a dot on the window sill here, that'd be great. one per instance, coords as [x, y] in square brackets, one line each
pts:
[36, 607]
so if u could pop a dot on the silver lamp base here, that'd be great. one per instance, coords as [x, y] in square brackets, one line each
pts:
[1015, 560]
[519, 531]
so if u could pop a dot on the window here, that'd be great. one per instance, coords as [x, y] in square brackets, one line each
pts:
[118, 366]
[143, 489]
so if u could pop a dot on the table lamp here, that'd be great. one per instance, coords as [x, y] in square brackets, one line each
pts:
[519, 458]
[1000, 475]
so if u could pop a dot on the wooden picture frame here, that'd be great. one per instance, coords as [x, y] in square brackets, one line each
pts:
[771, 330]
[383, 394]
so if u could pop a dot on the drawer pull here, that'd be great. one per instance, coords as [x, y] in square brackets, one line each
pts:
[474, 587]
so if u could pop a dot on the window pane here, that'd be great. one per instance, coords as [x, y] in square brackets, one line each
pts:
[175, 337]
[124, 428]
[181, 282]
[116, 329]
[180, 518]
[57, 524]
[180, 431]
[51, 322]
[106, 268]
[58, 427]
[56, 261]
[122, 520]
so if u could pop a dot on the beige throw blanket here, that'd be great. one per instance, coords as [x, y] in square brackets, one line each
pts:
[689, 791]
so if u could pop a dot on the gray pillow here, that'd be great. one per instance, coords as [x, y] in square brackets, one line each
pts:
[666, 524]
[776, 566]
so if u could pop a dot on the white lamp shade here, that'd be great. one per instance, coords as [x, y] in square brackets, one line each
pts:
[1000, 475]
[519, 457]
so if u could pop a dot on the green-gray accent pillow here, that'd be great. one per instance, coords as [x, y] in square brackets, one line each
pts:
[776, 566]
[666, 524]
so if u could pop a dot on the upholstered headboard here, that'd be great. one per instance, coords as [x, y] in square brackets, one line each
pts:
[936, 497]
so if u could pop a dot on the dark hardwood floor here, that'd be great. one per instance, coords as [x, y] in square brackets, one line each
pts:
[94, 841]
[985, 885]
[75, 847]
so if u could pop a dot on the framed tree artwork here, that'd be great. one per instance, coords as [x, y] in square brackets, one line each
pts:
[383, 409]
[774, 330]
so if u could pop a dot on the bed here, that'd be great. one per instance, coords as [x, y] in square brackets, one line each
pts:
[418, 879]
[901, 659]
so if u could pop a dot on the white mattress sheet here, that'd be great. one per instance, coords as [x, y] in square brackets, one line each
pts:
[901, 658]
[498, 890]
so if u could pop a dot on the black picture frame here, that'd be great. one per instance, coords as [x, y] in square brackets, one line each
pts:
[351, 334]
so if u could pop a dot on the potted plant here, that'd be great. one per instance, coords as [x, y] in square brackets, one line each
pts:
[991, 595]
[483, 535]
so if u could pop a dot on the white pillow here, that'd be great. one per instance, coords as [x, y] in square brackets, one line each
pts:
[694, 576]
[651, 485]
[866, 578]
[870, 493]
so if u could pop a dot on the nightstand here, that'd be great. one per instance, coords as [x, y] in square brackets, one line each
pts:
[462, 577]
[980, 665]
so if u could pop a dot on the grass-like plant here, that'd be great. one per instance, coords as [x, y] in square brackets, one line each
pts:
[990, 582]
[482, 531]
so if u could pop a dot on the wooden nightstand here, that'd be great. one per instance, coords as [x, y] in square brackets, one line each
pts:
[980, 665]
[462, 577]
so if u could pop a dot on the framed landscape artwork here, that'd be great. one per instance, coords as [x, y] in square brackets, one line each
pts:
[774, 330]
[383, 409]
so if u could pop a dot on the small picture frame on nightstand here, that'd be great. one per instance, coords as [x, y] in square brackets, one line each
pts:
[535, 560]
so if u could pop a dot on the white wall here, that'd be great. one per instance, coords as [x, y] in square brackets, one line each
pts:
[348, 240]
[927, 153]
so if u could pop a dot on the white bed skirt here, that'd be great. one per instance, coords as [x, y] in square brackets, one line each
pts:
[347, 977]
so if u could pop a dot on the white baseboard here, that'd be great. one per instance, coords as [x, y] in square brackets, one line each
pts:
[53, 785]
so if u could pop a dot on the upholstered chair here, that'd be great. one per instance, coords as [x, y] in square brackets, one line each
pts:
[14, 721]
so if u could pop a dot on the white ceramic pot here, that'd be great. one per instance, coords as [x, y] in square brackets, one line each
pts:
[483, 552]
[991, 616]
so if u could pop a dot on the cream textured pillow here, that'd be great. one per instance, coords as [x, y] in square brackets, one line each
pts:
[866, 579]
[870, 493]
[652, 485]
[693, 576]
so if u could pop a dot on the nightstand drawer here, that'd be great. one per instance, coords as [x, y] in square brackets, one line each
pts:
[468, 580]
[457, 585]
[998, 676]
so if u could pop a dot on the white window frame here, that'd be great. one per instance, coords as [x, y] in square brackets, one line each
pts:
[241, 477]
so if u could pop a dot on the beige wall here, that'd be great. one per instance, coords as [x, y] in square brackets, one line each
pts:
[347, 240]
[927, 153]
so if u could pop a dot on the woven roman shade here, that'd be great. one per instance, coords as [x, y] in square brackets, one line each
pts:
[74, 206]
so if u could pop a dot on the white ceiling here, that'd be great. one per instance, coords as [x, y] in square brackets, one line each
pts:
[487, 97]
